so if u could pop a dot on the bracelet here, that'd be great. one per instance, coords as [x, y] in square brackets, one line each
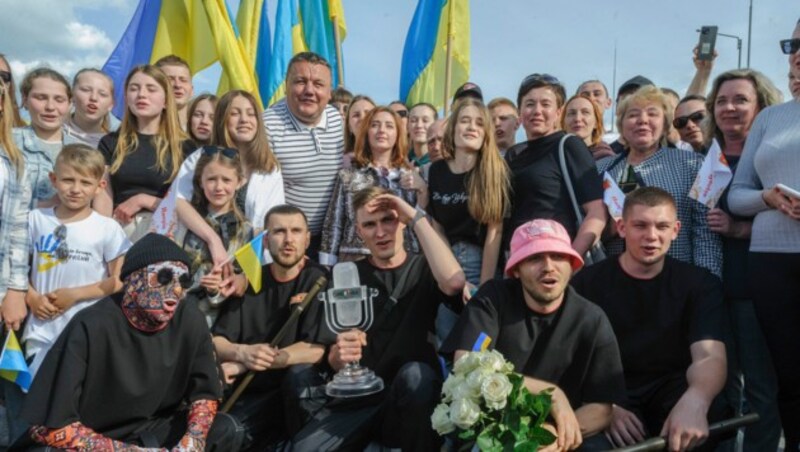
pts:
[418, 216]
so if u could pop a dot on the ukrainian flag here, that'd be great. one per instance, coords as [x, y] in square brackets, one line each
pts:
[12, 363]
[288, 40]
[317, 23]
[482, 343]
[251, 258]
[422, 73]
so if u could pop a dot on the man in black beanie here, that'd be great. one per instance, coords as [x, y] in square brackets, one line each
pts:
[136, 370]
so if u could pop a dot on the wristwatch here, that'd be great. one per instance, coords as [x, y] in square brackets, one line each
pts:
[418, 216]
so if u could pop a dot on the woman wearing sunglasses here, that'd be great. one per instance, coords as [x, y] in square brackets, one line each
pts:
[771, 156]
[144, 155]
[643, 119]
[689, 116]
[538, 187]
[237, 125]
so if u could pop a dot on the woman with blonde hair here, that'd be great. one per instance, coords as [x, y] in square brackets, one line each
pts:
[643, 120]
[11, 91]
[144, 155]
[469, 190]
[380, 159]
[237, 125]
[93, 99]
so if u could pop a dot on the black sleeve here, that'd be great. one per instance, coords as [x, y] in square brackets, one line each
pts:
[205, 382]
[312, 319]
[478, 317]
[54, 398]
[586, 181]
[188, 146]
[605, 381]
[106, 147]
[706, 310]
[229, 320]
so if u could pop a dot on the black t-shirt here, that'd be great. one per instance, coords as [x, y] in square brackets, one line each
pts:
[655, 320]
[114, 378]
[734, 251]
[138, 172]
[402, 330]
[538, 188]
[574, 347]
[448, 204]
[256, 318]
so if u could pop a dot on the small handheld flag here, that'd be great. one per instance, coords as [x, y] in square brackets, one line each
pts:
[12, 363]
[613, 197]
[712, 179]
[251, 257]
[482, 343]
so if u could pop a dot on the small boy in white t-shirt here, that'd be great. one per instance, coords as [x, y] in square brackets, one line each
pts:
[77, 253]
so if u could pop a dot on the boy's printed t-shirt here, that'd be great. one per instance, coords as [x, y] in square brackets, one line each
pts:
[92, 242]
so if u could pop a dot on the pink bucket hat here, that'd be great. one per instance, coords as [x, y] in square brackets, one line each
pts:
[541, 236]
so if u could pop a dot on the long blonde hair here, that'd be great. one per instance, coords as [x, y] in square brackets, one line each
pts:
[487, 182]
[169, 152]
[6, 126]
[11, 92]
[105, 126]
[258, 157]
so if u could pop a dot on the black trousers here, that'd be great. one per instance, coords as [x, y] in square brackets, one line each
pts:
[399, 416]
[775, 285]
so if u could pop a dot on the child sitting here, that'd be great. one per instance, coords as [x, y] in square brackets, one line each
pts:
[218, 176]
[77, 253]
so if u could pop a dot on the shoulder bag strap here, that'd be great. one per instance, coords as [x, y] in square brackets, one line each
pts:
[562, 161]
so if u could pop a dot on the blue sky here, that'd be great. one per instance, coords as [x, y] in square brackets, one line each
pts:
[572, 40]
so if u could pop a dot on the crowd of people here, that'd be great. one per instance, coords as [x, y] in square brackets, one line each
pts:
[657, 321]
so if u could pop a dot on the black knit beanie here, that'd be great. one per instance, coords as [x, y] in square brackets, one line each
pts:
[151, 249]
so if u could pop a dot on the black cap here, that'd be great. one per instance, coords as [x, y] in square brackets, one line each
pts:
[634, 84]
[468, 89]
[152, 249]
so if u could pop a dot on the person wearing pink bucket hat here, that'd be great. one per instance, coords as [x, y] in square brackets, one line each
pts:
[556, 338]
[541, 236]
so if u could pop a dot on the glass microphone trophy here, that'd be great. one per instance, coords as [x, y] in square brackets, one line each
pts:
[349, 306]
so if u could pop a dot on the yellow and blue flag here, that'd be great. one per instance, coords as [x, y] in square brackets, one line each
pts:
[317, 20]
[251, 258]
[288, 40]
[422, 72]
[482, 343]
[12, 363]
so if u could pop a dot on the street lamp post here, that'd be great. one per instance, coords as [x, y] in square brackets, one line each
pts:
[738, 44]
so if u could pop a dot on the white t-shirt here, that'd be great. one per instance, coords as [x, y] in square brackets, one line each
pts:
[264, 190]
[92, 242]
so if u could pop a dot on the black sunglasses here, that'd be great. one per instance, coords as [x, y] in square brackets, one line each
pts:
[402, 113]
[166, 275]
[681, 121]
[790, 46]
[62, 250]
[5, 76]
[227, 152]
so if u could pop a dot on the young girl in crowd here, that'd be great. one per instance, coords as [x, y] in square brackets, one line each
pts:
[356, 111]
[93, 98]
[218, 176]
[380, 159]
[201, 119]
[584, 118]
[469, 191]
[144, 155]
[237, 125]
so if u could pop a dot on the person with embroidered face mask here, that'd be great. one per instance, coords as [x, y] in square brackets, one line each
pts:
[142, 362]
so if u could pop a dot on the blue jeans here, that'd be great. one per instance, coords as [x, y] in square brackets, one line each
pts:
[749, 358]
[469, 256]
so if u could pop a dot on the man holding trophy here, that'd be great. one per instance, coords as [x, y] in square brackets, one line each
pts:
[401, 295]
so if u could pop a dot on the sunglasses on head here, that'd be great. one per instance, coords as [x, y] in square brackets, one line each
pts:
[165, 274]
[62, 250]
[5, 77]
[547, 78]
[682, 121]
[227, 152]
[790, 46]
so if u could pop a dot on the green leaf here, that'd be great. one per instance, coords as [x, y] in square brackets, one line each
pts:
[487, 442]
[541, 436]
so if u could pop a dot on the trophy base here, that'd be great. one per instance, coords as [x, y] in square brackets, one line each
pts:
[354, 382]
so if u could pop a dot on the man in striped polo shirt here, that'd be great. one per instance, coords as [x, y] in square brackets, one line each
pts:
[307, 137]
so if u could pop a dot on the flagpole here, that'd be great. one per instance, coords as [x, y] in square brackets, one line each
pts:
[338, 41]
[449, 55]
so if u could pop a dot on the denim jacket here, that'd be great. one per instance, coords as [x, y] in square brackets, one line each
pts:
[19, 196]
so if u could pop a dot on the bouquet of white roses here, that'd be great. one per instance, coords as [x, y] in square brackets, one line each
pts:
[487, 402]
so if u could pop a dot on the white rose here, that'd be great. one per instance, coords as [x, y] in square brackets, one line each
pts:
[492, 361]
[465, 390]
[466, 364]
[450, 385]
[495, 390]
[440, 420]
[464, 413]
